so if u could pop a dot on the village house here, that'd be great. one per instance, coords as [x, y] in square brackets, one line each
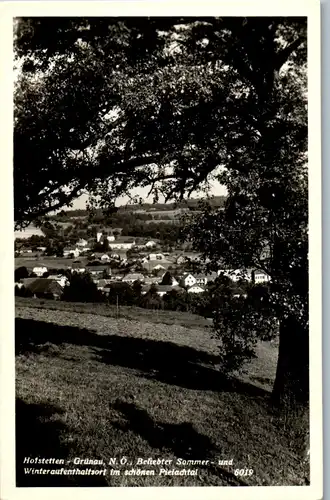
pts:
[60, 279]
[130, 278]
[196, 289]
[153, 266]
[236, 274]
[158, 267]
[122, 243]
[85, 250]
[187, 280]
[115, 256]
[78, 267]
[260, 276]
[71, 252]
[239, 294]
[101, 235]
[105, 257]
[152, 280]
[99, 270]
[161, 290]
[154, 256]
[43, 288]
[28, 253]
[101, 283]
[175, 282]
[82, 243]
[151, 244]
[184, 258]
[203, 279]
[39, 270]
[181, 260]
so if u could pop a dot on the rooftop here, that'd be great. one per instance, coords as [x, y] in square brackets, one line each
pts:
[40, 285]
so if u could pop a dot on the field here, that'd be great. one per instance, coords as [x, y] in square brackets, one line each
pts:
[187, 320]
[56, 263]
[91, 385]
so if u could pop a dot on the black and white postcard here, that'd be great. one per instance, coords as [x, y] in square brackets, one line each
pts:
[161, 265]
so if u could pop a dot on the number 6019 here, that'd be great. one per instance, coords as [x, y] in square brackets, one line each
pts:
[243, 472]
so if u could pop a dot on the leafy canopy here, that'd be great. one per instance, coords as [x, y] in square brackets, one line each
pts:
[108, 104]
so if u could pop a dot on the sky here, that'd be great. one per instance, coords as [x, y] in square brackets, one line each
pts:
[80, 203]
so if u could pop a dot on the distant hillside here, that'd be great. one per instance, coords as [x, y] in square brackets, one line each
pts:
[153, 208]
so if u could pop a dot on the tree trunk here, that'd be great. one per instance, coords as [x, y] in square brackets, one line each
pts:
[292, 376]
[291, 387]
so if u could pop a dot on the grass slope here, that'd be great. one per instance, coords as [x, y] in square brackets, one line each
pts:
[92, 386]
[130, 313]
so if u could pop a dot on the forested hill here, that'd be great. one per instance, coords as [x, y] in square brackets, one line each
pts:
[216, 201]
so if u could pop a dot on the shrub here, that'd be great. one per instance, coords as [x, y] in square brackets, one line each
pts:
[121, 293]
[21, 273]
[151, 300]
[239, 322]
[81, 289]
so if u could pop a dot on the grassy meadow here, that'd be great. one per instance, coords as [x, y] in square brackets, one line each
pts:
[91, 385]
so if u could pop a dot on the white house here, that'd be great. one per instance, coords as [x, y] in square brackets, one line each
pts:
[115, 256]
[130, 278]
[85, 250]
[181, 259]
[151, 244]
[105, 258]
[156, 256]
[161, 290]
[158, 267]
[188, 280]
[196, 289]
[122, 244]
[203, 279]
[78, 267]
[39, 271]
[82, 243]
[260, 277]
[109, 237]
[152, 280]
[60, 279]
[75, 252]
[236, 274]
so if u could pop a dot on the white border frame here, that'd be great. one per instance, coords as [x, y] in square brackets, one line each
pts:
[8, 11]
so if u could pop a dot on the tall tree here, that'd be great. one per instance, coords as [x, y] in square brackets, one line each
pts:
[139, 102]
[167, 279]
[173, 104]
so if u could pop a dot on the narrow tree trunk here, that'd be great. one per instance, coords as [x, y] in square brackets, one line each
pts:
[291, 387]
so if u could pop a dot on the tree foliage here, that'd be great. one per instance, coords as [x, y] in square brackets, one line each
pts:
[137, 92]
[111, 104]
[21, 273]
[81, 288]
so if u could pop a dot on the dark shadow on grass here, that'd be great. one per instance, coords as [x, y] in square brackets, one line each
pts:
[163, 361]
[181, 439]
[39, 433]
[263, 380]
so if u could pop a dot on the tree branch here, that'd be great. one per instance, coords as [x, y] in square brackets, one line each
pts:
[284, 55]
